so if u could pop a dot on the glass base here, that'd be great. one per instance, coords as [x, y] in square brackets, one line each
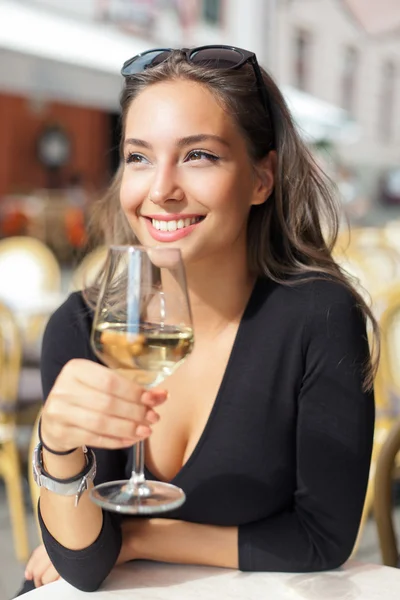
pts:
[151, 497]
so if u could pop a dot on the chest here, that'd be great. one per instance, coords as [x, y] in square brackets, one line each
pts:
[193, 390]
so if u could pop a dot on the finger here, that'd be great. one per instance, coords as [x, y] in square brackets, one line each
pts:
[34, 560]
[37, 580]
[101, 378]
[100, 424]
[28, 569]
[132, 408]
[154, 397]
[82, 437]
[39, 568]
[65, 405]
[50, 575]
[77, 425]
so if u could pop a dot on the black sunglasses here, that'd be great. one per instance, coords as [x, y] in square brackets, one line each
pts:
[214, 57]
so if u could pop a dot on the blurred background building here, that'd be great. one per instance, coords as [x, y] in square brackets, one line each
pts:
[336, 60]
[338, 65]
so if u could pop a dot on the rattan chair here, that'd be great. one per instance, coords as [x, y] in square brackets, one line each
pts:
[386, 468]
[10, 467]
[33, 487]
[87, 270]
[386, 387]
[30, 283]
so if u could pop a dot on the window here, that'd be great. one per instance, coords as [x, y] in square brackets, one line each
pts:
[387, 101]
[302, 44]
[212, 11]
[350, 66]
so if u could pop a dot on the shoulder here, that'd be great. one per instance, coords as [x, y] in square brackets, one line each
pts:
[73, 318]
[309, 294]
[334, 312]
[314, 303]
[67, 336]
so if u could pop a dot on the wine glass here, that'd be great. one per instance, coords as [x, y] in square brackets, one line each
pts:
[142, 328]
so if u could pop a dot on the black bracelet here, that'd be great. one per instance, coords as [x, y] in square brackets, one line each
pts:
[63, 453]
[90, 459]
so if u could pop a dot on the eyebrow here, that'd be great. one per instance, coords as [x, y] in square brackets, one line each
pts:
[182, 142]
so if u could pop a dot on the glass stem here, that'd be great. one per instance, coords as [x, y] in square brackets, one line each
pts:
[137, 478]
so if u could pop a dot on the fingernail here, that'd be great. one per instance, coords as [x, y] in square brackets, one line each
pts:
[150, 402]
[143, 431]
[152, 416]
[160, 395]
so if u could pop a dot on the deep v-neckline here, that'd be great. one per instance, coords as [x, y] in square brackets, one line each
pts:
[219, 396]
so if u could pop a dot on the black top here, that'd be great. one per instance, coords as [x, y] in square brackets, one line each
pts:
[286, 450]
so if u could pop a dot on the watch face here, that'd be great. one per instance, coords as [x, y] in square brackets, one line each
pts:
[54, 147]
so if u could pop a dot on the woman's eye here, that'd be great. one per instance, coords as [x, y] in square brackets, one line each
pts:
[134, 157]
[200, 154]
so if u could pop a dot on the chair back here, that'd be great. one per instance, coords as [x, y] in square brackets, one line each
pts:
[367, 254]
[387, 388]
[33, 487]
[28, 268]
[383, 502]
[88, 269]
[10, 365]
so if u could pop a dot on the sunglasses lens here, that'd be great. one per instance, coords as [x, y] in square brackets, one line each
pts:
[144, 61]
[216, 58]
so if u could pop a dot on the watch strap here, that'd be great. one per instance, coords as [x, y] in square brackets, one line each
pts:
[73, 486]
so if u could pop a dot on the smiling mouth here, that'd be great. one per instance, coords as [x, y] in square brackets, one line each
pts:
[175, 225]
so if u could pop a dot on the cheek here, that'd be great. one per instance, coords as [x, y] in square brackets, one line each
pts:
[215, 190]
[131, 195]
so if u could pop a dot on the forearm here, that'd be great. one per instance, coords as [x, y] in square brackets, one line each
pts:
[172, 541]
[74, 527]
[83, 543]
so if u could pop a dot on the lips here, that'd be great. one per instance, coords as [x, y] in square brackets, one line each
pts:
[169, 228]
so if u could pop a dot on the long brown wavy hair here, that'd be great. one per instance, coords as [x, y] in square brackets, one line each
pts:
[291, 236]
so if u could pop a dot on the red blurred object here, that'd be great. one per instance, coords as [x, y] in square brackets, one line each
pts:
[14, 223]
[75, 227]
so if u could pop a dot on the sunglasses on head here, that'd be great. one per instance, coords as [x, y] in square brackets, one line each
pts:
[214, 57]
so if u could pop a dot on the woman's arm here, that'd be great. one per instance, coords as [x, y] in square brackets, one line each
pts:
[86, 404]
[169, 540]
[64, 339]
[334, 442]
[335, 426]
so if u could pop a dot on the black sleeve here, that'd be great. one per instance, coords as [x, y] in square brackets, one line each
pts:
[67, 337]
[333, 449]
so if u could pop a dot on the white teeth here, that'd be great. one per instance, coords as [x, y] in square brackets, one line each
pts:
[174, 225]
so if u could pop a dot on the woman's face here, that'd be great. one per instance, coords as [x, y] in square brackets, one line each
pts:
[187, 180]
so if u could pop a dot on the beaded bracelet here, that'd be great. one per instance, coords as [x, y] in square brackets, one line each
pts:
[63, 453]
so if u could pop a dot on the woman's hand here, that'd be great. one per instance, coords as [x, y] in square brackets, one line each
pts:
[131, 530]
[92, 405]
[40, 568]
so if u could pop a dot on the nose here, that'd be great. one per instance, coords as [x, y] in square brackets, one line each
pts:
[165, 186]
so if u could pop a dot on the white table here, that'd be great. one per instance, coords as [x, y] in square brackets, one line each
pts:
[156, 581]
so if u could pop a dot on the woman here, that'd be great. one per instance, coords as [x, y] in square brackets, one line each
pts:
[271, 438]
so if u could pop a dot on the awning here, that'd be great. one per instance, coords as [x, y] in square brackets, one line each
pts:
[318, 120]
[59, 57]
[45, 55]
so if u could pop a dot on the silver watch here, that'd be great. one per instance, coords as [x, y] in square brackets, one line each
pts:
[68, 487]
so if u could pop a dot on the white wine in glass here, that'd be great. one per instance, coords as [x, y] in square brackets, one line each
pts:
[142, 328]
